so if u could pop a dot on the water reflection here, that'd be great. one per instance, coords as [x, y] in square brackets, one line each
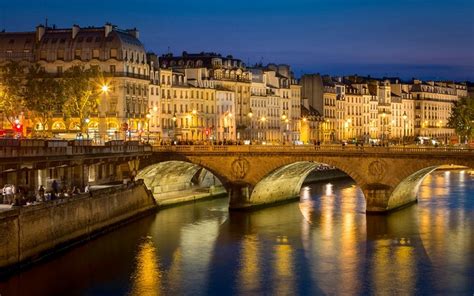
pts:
[325, 244]
[147, 277]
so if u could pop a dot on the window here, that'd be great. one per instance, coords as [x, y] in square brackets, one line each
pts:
[59, 69]
[112, 68]
[113, 53]
[95, 53]
[60, 54]
[77, 54]
[43, 55]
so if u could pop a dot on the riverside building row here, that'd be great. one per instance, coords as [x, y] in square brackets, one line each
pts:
[207, 96]
[382, 110]
[193, 97]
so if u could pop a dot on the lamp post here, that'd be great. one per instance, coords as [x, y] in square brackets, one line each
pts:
[263, 119]
[193, 126]
[347, 123]
[250, 115]
[284, 120]
[383, 126]
[174, 125]
[102, 116]
[405, 117]
[226, 124]
[304, 130]
[87, 120]
[148, 117]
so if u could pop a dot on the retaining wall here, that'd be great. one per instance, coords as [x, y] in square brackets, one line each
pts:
[28, 233]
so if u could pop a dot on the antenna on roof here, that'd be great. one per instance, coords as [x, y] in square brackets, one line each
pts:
[46, 22]
[169, 49]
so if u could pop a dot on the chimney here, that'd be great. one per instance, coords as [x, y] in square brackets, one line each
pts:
[40, 30]
[108, 28]
[75, 30]
[134, 32]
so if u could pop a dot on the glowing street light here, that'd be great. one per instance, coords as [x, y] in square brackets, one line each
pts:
[105, 88]
[405, 117]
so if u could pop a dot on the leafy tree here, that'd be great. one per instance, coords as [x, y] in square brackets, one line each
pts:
[462, 118]
[82, 94]
[44, 95]
[11, 83]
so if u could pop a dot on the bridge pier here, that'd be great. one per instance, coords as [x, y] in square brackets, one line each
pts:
[377, 197]
[239, 195]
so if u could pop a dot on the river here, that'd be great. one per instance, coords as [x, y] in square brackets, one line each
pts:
[324, 244]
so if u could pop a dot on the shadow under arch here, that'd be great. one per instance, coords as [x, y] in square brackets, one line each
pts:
[175, 175]
[284, 183]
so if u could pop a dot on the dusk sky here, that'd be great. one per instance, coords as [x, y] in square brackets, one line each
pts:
[427, 39]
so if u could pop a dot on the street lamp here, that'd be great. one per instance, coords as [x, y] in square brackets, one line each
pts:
[263, 119]
[349, 122]
[284, 119]
[346, 126]
[226, 124]
[148, 117]
[250, 115]
[193, 126]
[102, 121]
[174, 125]
[405, 117]
[87, 120]
[383, 126]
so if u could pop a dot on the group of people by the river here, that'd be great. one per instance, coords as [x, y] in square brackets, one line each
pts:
[22, 195]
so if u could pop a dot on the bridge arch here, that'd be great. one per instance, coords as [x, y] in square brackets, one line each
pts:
[167, 177]
[388, 179]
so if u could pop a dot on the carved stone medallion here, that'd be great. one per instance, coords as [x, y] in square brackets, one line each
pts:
[240, 167]
[377, 169]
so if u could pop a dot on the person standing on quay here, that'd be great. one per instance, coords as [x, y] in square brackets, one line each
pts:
[41, 193]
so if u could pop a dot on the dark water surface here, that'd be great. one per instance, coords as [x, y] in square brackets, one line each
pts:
[324, 244]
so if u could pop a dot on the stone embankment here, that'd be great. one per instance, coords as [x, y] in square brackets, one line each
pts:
[175, 198]
[30, 233]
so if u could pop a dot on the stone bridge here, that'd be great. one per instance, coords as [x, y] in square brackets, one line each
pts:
[260, 175]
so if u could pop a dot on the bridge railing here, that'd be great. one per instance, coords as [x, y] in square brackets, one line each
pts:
[27, 151]
[308, 148]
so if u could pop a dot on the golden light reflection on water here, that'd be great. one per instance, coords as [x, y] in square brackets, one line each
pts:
[446, 232]
[284, 280]
[147, 277]
[249, 273]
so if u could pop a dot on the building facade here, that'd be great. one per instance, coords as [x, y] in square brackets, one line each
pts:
[117, 54]
[382, 111]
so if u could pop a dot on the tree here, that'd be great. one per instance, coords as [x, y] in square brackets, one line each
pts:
[44, 95]
[82, 94]
[462, 118]
[11, 83]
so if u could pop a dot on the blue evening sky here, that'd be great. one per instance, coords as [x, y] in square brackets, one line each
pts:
[427, 39]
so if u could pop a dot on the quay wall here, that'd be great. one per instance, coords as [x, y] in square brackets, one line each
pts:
[29, 233]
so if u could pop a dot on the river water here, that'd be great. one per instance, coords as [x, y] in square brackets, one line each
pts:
[324, 244]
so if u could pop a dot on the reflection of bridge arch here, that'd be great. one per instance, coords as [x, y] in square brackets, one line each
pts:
[389, 180]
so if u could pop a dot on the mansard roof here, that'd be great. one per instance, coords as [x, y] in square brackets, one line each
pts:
[89, 38]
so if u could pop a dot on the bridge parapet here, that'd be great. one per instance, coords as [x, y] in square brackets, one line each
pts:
[40, 151]
[315, 149]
